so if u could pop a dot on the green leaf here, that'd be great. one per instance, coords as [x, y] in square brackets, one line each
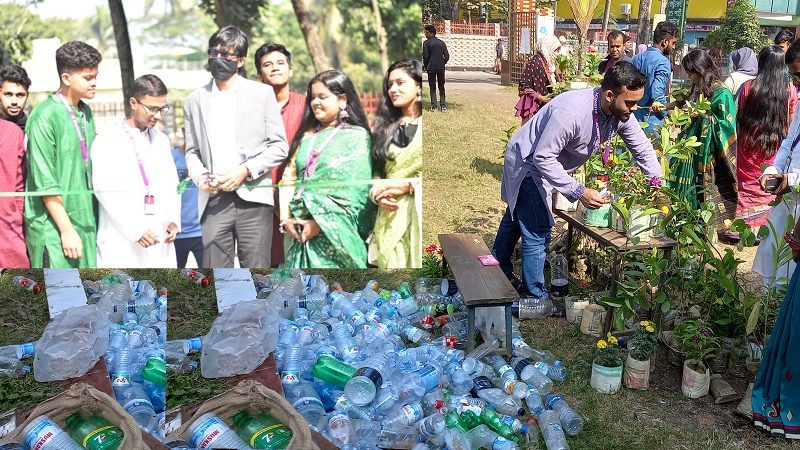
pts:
[752, 320]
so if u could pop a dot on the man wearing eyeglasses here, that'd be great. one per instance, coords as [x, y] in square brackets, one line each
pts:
[135, 182]
[234, 137]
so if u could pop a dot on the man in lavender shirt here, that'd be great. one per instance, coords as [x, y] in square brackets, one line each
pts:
[542, 154]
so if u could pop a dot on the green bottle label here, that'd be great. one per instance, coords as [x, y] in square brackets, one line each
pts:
[275, 436]
[104, 438]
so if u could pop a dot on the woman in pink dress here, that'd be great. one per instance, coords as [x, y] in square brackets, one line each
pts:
[766, 107]
[537, 79]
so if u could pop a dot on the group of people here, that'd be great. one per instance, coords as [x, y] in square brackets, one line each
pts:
[349, 196]
[559, 135]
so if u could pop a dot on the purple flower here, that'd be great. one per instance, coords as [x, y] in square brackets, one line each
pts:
[656, 182]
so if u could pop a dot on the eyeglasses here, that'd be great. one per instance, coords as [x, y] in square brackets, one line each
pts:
[214, 53]
[156, 109]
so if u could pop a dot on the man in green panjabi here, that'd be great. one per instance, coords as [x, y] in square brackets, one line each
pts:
[61, 227]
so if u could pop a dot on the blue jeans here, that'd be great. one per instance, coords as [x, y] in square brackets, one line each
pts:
[531, 222]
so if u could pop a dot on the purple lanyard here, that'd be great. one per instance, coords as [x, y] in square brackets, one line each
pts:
[84, 150]
[612, 132]
[314, 154]
[138, 156]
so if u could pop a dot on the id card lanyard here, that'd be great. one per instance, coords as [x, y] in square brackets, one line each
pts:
[149, 199]
[611, 134]
[81, 137]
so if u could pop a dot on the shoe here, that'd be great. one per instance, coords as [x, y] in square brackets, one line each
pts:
[444, 108]
[516, 284]
[433, 109]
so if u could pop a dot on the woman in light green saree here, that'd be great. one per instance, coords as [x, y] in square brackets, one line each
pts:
[397, 152]
[326, 225]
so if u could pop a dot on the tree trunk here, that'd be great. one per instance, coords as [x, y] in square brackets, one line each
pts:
[645, 33]
[123, 49]
[311, 35]
[606, 17]
[580, 50]
[381, 32]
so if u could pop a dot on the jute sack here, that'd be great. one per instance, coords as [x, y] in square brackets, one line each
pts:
[250, 395]
[84, 399]
[695, 384]
[636, 374]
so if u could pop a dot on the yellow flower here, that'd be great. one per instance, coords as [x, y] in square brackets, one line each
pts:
[601, 344]
[650, 329]
[728, 223]
[612, 340]
[599, 183]
[644, 323]
[665, 210]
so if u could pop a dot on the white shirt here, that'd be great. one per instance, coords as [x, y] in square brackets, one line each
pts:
[221, 129]
[120, 190]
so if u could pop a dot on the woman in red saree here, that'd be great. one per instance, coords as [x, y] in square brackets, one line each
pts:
[766, 107]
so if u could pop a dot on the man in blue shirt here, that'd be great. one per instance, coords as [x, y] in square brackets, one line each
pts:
[190, 238]
[654, 63]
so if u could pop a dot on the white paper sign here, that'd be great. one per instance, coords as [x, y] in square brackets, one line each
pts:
[525, 41]
[233, 286]
[64, 290]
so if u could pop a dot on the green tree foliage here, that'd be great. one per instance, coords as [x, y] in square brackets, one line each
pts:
[19, 26]
[738, 28]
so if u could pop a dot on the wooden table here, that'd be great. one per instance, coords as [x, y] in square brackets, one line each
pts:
[481, 286]
[617, 241]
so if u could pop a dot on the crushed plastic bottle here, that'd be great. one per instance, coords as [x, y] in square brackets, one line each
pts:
[195, 277]
[27, 283]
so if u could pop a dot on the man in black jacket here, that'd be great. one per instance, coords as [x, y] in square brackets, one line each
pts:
[434, 58]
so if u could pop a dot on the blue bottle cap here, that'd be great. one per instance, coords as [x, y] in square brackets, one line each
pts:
[196, 344]
[28, 349]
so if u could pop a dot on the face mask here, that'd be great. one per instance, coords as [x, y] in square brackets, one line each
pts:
[222, 69]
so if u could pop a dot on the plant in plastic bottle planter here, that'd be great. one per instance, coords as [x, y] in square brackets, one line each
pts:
[607, 366]
[641, 347]
[698, 341]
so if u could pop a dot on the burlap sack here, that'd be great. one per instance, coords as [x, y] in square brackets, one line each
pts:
[253, 396]
[84, 399]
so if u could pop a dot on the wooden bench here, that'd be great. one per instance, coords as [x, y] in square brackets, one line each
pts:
[609, 238]
[481, 286]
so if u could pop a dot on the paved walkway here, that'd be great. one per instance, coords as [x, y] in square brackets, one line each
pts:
[481, 86]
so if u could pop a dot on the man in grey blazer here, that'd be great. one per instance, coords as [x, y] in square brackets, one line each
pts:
[234, 137]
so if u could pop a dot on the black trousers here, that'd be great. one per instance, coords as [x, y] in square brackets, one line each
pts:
[436, 79]
[184, 246]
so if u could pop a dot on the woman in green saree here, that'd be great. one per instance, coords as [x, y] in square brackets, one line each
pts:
[397, 152]
[326, 225]
[710, 173]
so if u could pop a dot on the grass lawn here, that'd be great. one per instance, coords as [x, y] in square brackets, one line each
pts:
[462, 194]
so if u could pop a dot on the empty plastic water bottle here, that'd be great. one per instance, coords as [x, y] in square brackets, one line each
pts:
[27, 283]
[305, 400]
[195, 277]
[553, 434]
[535, 402]
[184, 346]
[511, 387]
[44, 434]
[136, 402]
[343, 338]
[501, 366]
[571, 421]
[12, 367]
[460, 381]
[209, 431]
[340, 429]
[483, 437]
[17, 351]
[530, 374]
[535, 307]
[405, 416]
[559, 275]
[503, 403]
[373, 432]
[180, 363]
[366, 381]
[431, 425]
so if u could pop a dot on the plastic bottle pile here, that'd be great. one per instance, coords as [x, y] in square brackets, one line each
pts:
[83, 432]
[135, 356]
[365, 370]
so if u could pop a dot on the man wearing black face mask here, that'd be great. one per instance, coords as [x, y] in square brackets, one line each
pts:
[234, 137]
